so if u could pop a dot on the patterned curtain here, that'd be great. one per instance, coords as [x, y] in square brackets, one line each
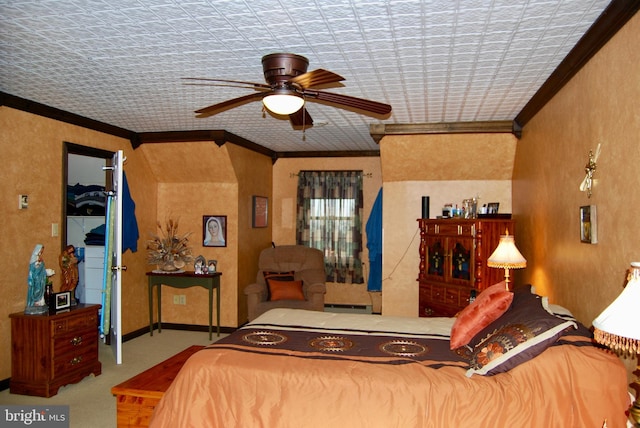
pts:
[329, 217]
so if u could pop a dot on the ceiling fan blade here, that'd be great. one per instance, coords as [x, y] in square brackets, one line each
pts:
[251, 84]
[316, 78]
[222, 85]
[226, 105]
[301, 118]
[349, 102]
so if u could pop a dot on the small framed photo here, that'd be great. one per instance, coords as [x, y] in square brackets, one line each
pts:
[260, 211]
[199, 264]
[214, 230]
[212, 266]
[588, 224]
[61, 300]
[492, 207]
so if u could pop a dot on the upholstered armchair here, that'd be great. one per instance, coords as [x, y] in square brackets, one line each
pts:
[305, 289]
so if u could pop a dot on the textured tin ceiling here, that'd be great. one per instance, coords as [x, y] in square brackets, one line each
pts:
[121, 61]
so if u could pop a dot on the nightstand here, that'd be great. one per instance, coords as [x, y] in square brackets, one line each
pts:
[50, 351]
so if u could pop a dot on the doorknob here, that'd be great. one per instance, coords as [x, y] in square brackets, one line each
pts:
[115, 268]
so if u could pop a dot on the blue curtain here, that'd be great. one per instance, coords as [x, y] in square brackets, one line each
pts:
[374, 244]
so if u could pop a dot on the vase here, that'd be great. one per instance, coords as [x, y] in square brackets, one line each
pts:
[48, 292]
[168, 267]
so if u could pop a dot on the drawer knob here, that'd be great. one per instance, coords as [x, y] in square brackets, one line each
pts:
[76, 340]
[76, 360]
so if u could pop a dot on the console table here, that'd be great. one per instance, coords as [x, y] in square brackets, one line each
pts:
[184, 280]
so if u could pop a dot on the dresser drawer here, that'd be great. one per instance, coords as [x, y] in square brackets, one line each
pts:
[76, 340]
[74, 323]
[94, 254]
[80, 359]
[438, 294]
[452, 228]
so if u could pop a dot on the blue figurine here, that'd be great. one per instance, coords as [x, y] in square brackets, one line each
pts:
[37, 282]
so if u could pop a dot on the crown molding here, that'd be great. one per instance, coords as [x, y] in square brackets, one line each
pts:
[378, 131]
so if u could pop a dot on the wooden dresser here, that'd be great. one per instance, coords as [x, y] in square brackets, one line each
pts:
[453, 254]
[50, 351]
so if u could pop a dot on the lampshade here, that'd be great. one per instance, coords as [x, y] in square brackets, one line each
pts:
[283, 102]
[618, 326]
[507, 255]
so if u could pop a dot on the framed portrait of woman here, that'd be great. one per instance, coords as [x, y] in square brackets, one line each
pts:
[214, 230]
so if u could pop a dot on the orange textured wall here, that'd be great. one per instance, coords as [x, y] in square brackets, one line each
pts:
[32, 150]
[197, 179]
[254, 173]
[284, 211]
[599, 105]
[448, 169]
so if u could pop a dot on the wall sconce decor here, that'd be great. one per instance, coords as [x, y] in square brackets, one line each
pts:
[590, 169]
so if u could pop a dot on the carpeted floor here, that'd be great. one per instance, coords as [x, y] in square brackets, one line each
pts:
[90, 401]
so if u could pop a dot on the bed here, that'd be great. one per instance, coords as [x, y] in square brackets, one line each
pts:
[298, 368]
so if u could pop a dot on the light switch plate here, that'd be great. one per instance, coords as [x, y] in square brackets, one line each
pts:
[23, 202]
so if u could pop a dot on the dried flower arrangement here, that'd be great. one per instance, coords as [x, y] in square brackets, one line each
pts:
[168, 250]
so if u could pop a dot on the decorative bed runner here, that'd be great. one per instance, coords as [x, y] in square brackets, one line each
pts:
[378, 349]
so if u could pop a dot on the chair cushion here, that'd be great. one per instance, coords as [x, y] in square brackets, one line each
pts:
[285, 290]
[279, 276]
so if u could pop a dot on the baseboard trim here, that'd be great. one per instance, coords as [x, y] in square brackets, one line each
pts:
[172, 326]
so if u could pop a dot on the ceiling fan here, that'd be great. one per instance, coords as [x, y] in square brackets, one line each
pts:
[288, 87]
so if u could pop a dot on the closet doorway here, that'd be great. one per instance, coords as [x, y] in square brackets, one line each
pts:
[85, 182]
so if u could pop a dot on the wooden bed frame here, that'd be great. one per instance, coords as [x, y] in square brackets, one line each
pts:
[138, 396]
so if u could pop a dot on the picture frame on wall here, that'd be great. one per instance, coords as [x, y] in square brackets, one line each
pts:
[588, 224]
[260, 211]
[214, 231]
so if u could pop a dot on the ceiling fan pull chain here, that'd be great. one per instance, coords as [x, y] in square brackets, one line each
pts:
[304, 129]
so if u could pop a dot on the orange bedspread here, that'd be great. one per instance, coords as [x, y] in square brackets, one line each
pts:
[565, 386]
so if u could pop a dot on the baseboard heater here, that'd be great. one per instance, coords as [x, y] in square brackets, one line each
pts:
[352, 309]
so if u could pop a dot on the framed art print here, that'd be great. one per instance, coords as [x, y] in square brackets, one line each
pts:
[260, 211]
[214, 230]
[588, 224]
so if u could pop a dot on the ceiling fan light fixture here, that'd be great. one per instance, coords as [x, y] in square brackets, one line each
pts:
[283, 104]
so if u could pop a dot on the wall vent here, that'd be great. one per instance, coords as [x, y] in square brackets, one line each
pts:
[352, 309]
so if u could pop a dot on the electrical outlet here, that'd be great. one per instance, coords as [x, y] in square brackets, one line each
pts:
[179, 299]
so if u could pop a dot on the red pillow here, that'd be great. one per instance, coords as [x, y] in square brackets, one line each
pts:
[285, 290]
[488, 307]
[278, 276]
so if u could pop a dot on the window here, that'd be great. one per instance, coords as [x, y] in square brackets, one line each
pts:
[329, 217]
